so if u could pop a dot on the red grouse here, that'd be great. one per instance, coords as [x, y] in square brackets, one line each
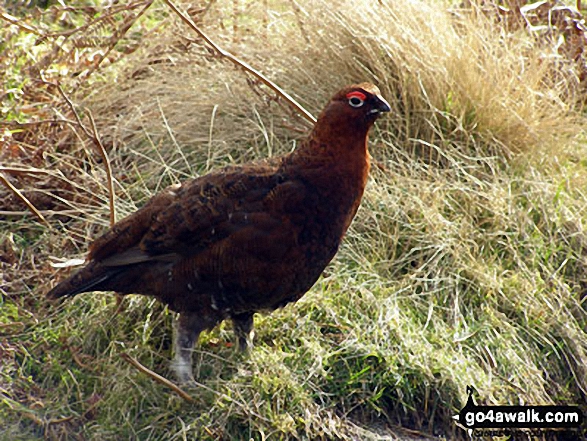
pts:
[245, 238]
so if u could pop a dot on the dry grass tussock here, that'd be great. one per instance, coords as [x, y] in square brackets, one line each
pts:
[465, 264]
[451, 74]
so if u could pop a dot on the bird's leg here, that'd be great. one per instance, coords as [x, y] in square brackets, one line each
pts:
[187, 330]
[243, 330]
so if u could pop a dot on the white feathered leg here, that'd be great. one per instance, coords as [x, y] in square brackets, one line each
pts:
[187, 329]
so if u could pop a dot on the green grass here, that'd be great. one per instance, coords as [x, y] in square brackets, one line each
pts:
[465, 264]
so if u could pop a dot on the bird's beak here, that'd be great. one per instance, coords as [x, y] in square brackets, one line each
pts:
[380, 106]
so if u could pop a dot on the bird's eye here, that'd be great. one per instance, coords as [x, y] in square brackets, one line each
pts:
[356, 99]
[356, 102]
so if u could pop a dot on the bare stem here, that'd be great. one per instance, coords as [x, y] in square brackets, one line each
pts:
[95, 137]
[243, 65]
[107, 166]
[118, 35]
[158, 378]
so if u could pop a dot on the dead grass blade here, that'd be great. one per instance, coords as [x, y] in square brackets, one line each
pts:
[95, 137]
[23, 170]
[245, 66]
[23, 198]
[107, 166]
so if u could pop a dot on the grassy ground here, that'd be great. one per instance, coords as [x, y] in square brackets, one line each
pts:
[465, 265]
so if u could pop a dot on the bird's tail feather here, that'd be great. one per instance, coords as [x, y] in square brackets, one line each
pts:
[87, 279]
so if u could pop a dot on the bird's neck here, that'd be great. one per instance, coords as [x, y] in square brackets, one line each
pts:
[341, 134]
[336, 160]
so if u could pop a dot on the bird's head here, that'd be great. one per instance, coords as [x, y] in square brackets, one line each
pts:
[353, 110]
[361, 101]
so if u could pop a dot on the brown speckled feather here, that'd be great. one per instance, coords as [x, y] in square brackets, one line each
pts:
[244, 238]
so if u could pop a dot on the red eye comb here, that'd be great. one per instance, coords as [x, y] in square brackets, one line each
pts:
[357, 94]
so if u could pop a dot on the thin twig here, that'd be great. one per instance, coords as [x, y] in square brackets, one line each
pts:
[118, 35]
[107, 166]
[95, 137]
[246, 67]
[158, 378]
[107, 14]
[15, 21]
[72, 108]
[23, 198]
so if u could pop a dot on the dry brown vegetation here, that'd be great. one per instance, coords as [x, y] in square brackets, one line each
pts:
[466, 264]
